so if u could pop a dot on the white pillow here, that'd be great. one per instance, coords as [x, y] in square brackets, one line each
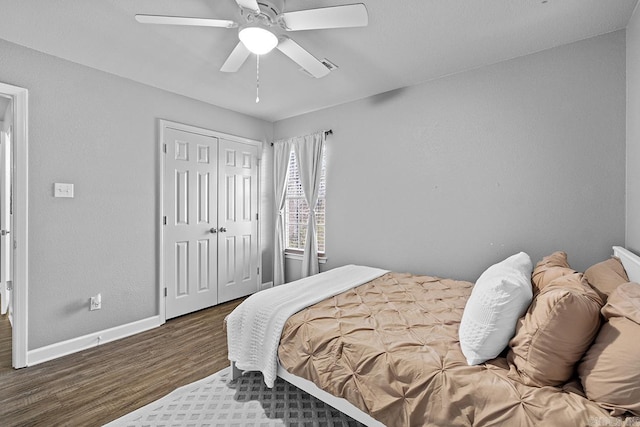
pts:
[499, 298]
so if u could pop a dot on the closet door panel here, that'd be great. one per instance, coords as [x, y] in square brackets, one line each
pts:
[190, 233]
[238, 200]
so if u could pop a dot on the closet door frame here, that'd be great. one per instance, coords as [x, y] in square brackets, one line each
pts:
[162, 125]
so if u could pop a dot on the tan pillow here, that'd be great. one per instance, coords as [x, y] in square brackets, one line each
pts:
[610, 371]
[606, 276]
[549, 268]
[558, 328]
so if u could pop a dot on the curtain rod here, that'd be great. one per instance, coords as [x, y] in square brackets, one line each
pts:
[326, 133]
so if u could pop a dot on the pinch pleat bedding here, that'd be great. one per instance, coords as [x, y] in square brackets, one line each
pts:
[390, 347]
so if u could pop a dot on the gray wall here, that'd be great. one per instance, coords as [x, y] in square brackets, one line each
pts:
[98, 131]
[452, 175]
[633, 133]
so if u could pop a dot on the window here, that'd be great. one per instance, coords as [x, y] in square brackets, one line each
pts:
[297, 209]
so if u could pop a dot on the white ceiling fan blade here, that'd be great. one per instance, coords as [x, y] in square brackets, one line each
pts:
[249, 4]
[303, 58]
[184, 20]
[350, 15]
[233, 63]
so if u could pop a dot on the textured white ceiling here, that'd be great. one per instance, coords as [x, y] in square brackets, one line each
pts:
[406, 42]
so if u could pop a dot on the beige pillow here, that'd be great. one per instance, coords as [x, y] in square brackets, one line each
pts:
[606, 276]
[549, 268]
[610, 371]
[554, 334]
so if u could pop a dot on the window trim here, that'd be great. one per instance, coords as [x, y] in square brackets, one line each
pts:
[297, 254]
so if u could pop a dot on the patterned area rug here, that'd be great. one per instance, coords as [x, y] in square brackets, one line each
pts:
[216, 401]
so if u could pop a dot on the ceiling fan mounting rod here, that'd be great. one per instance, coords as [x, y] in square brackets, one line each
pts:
[269, 14]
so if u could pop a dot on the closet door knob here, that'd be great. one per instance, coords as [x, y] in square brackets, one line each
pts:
[213, 230]
[222, 229]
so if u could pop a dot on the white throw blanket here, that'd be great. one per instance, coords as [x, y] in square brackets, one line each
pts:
[255, 326]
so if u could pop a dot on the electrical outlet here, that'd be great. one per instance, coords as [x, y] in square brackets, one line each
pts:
[96, 303]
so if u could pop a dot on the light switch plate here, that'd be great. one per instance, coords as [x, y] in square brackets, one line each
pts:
[61, 189]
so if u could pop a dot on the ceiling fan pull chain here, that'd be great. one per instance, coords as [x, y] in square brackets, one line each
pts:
[257, 78]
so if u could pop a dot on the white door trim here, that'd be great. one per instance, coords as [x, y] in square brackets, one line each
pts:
[20, 292]
[162, 125]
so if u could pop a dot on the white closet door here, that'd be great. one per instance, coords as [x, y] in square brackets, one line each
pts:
[238, 252]
[190, 233]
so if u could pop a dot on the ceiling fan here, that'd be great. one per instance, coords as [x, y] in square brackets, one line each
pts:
[264, 23]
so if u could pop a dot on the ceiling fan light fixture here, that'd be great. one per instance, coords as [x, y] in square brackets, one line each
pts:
[258, 40]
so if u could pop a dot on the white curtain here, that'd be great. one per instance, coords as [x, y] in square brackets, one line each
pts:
[281, 153]
[308, 151]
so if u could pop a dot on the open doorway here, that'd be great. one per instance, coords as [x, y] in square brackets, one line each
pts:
[6, 251]
[13, 223]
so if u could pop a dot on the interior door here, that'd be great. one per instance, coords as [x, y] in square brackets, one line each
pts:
[238, 251]
[190, 232]
[5, 220]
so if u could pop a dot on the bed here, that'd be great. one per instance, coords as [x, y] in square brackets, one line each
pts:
[385, 348]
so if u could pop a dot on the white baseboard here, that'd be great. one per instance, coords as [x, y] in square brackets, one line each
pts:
[53, 351]
[266, 286]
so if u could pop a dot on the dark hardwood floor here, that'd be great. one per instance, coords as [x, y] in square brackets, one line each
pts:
[95, 386]
[5, 346]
